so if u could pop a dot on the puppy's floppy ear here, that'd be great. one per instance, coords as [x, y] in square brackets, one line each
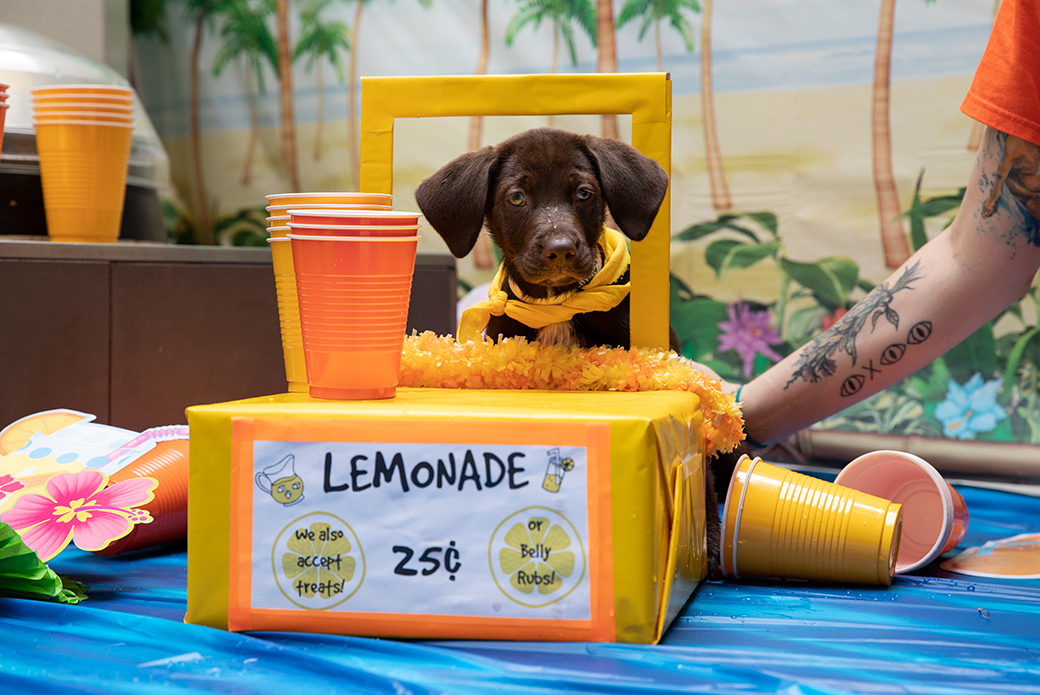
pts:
[633, 184]
[454, 198]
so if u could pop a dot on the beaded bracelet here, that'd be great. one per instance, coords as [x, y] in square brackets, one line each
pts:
[747, 437]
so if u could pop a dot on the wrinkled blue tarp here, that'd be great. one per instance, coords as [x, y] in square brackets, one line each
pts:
[931, 632]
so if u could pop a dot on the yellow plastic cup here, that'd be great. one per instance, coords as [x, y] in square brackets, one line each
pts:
[83, 167]
[779, 523]
[289, 314]
[96, 116]
[111, 108]
[83, 90]
[279, 199]
[105, 100]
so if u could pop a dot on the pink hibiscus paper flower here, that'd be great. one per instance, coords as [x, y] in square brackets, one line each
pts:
[78, 507]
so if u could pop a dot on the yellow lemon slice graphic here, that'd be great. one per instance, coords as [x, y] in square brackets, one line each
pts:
[537, 558]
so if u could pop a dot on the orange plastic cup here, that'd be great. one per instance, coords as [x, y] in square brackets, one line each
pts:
[3, 117]
[364, 362]
[168, 464]
[334, 198]
[352, 230]
[364, 218]
[289, 315]
[935, 516]
[83, 169]
[778, 523]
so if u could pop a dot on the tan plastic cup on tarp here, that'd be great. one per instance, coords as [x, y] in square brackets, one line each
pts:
[779, 523]
[83, 167]
[935, 517]
[289, 314]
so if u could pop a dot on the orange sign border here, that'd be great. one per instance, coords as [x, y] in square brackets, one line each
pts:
[594, 436]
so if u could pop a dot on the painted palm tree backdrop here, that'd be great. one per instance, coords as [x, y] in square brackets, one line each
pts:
[815, 146]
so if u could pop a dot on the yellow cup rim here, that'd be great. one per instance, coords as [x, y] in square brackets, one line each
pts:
[110, 124]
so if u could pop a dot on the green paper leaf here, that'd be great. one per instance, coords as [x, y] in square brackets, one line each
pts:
[22, 574]
[727, 254]
[830, 279]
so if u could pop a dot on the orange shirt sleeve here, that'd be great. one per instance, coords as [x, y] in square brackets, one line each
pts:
[1005, 93]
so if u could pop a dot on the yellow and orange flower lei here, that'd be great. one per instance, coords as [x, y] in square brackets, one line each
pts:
[433, 361]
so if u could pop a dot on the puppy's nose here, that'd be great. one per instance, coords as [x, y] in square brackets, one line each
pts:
[559, 250]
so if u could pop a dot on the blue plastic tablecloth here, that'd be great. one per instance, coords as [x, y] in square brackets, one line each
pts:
[930, 632]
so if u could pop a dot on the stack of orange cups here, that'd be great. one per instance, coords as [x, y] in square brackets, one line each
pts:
[83, 136]
[285, 276]
[3, 112]
[353, 281]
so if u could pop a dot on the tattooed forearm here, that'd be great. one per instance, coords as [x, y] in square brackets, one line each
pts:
[817, 359]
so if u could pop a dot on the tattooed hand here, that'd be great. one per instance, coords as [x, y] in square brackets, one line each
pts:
[1019, 168]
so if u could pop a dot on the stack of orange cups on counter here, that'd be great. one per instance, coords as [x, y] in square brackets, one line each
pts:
[353, 281]
[284, 274]
[83, 136]
[779, 523]
[3, 112]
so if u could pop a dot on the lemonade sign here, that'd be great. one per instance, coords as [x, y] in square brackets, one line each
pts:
[384, 527]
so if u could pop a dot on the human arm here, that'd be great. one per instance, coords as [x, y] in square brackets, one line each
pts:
[953, 285]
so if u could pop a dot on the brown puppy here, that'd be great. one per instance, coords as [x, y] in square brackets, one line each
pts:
[544, 196]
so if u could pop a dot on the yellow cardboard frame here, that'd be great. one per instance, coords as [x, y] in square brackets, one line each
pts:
[647, 97]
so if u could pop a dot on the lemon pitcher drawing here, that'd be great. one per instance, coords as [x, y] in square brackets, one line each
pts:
[281, 482]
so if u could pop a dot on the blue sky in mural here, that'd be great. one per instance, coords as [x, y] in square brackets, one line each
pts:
[757, 45]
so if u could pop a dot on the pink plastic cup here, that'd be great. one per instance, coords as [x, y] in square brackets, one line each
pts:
[358, 359]
[935, 517]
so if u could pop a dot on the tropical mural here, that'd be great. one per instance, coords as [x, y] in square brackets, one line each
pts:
[816, 145]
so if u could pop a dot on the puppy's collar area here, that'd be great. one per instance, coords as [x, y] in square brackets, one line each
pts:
[601, 292]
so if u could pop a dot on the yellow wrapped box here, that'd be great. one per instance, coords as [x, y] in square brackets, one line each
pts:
[527, 515]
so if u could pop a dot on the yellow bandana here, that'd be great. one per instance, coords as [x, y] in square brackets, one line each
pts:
[600, 294]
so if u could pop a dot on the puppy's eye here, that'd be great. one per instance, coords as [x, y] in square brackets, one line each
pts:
[583, 194]
[516, 198]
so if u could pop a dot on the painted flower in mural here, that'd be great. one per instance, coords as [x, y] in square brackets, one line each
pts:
[970, 409]
[831, 319]
[318, 561]
[9, 485]
[78, 507]
[748, 334]
[537, 558]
